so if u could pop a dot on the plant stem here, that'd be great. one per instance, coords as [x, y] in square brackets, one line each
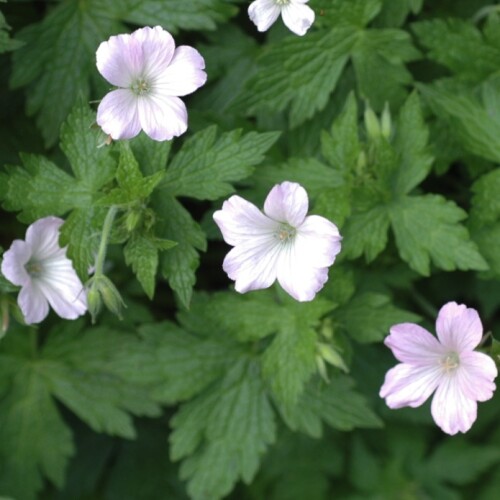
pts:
[106, 231]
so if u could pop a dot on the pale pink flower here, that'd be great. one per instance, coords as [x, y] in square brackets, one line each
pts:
[44, 273]
[448, 365]
[281, 243]
[297, 16]
[151, 75]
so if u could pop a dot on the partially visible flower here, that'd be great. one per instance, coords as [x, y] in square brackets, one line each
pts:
[281, 243]
[297, 16]
[151, 74]
[44, 273]
[448, 365]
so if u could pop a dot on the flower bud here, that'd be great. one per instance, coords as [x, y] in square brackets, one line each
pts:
[102, 290]
[386, 122]
[331, 356]
[372, 124]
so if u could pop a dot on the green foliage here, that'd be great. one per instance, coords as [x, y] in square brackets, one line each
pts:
[82, 369]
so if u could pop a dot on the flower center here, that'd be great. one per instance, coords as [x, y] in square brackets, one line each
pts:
[282, 2]
[285, 233]
[34, 269]
[450, 362]
[140, 87]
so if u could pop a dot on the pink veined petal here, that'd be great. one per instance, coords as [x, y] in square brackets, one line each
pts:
[241, 221]
[43, 237]
[412, 344]
[184, 74]
[458, 327]
[452, 411]
[297, 17]
[120, 60]
[14, 260]
[287, 202]
[318, 239]
[158, 47]
[33, 304]
[252, 265]
[162, 117]
[68, 302]
[476, 375]
[117, 114]
[297, 275]
[407, 385]
[263, 13]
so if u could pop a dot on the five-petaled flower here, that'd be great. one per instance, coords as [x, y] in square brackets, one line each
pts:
[297, 16]
[281, 243]
[151, 74]
[448, 365]
[44, 273]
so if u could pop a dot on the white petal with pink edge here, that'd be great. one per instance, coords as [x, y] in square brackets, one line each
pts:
[117, 114]
[287, 202]
[297, 17]
[263, 13]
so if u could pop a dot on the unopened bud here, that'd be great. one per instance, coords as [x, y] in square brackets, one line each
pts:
[331, 356]
[326, 329]
[386, 122]
[372, 124]
[132, 219]
[102, 290]
[320, 364]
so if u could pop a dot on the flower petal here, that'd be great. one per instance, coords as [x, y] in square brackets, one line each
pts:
[14, 260]
[184, 74]
[65, 295]
[318, 239]
[43, 237]
[158, 47]
[117, 114]
[241, 221]
[297, 17]
[458, 327]
[162, 117]
[296, 274]
[407, 385]
[252, 264]
[412, 344]
[33, 304]
[476, 375]
[287, 202]
[120, 60]
[452, 411]
[263, 13]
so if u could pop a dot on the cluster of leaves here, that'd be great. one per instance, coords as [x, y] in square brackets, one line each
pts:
[388, 113]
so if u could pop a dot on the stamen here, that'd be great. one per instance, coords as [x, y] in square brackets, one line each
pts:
[450, 362]
[286, 232]
[140, 87]
[34, 269]
[282, 2]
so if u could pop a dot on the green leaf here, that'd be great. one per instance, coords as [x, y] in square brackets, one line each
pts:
[427, 227]
[378, 59]
[94, 377]
[132, 186]
[368, 316]
[175, 16]
[35, 440]
[222, 434]
[153, 155]
[337, 404]
[179, 264]
[341, 147]
[477, 125]
[290, 360]
[57, 59]
[460, 46]
[411, 142]
[184, 364]
[299, 74]
[6, 43]
[206, 165]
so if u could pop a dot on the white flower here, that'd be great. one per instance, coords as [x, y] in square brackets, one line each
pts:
[280, 244]
[151, 74]
[44, 273]
[448, 366]
[297, 16]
